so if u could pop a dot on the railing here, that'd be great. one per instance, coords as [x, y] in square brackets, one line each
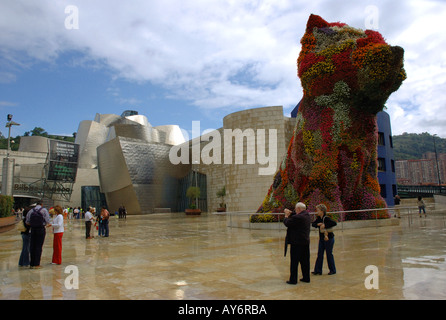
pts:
[242, 218]
[411, 211]
[406, 191]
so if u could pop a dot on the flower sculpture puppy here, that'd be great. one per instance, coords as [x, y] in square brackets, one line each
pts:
[347, 75]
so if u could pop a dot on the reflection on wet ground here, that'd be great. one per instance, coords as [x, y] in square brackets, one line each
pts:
[173, 256]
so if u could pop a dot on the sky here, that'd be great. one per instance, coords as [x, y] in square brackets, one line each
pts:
[178, 61]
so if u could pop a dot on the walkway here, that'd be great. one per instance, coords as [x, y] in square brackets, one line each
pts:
[173, 256]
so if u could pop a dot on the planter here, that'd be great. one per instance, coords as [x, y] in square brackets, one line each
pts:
[7, 223]
[193, 212]
[221, 209]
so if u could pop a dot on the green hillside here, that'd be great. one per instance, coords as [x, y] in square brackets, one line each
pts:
[412, 145]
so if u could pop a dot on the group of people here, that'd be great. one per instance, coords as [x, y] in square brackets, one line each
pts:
[73, 213]
[298, 237]
[420, 203]
[298, 224]
[33, 227]
[100, 221]
[122, 212]
[33, 230]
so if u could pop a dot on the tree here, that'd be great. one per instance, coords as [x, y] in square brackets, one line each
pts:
[193, 193]
[37, 131]
[221, 194]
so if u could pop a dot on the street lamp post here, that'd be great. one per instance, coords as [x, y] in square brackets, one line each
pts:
[8, 164]
[9, 124]
[196, 182]
[436, 161]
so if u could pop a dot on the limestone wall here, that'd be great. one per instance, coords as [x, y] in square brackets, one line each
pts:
[247, 181]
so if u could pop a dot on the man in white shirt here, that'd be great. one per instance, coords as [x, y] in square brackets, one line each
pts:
[88, 219]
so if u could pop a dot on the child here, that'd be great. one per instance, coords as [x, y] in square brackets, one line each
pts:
[421, 206]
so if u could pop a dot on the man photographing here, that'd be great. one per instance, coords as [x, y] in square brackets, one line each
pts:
[298, 236]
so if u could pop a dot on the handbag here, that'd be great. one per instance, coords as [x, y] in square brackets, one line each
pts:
[326, 229]
[21, 226]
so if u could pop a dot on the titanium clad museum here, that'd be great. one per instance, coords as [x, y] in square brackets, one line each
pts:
[124, 160]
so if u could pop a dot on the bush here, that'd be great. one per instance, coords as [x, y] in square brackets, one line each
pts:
[267, 217]
[6, 204]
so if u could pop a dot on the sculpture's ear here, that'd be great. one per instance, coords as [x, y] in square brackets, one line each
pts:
[315, 21]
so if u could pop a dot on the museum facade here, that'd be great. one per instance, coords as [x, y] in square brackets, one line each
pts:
[123, 160]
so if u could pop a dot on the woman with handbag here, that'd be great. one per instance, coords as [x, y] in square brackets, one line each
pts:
[26, 235]
[326, 240]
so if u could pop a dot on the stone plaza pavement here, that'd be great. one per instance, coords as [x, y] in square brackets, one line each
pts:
[174, 256]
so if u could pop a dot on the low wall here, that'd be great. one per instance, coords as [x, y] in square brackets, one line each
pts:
[242, 221]
[7, 223]
[440, 200]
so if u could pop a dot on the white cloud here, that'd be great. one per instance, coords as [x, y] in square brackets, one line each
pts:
[7, 104]
[227, 54]
[421, 100]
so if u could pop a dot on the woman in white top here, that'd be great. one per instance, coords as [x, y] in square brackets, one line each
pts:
[58, 230]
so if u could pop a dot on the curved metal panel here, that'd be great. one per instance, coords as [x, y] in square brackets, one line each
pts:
[139, 118]
[113, 172]
[145, 166]
[90, 135]
[173, 134]
[134, 131]
[125, 197]
[106, 119]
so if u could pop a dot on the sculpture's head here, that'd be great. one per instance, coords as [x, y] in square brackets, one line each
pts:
[333, 52]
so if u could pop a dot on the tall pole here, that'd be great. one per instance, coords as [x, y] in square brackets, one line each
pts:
[436, 160]
[196, 182]
[8, 163]
[9, 140]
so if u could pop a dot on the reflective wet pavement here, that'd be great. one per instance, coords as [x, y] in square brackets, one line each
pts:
[173, 256]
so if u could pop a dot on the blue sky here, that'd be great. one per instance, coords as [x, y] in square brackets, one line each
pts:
[178, 61]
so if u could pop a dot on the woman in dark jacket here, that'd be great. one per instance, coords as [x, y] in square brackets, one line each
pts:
[326, 240]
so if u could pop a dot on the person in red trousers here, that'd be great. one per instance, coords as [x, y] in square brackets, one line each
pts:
[58, 230]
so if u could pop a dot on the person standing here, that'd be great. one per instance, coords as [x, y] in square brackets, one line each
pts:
[76, 213]
[326, 240]
[397, 201]
[120, 212]
[88, 219]
[58, 230]
[26, 235]
[421, 206]
[298, 236]
[105, 215]
[38, 219]
[99, 225]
